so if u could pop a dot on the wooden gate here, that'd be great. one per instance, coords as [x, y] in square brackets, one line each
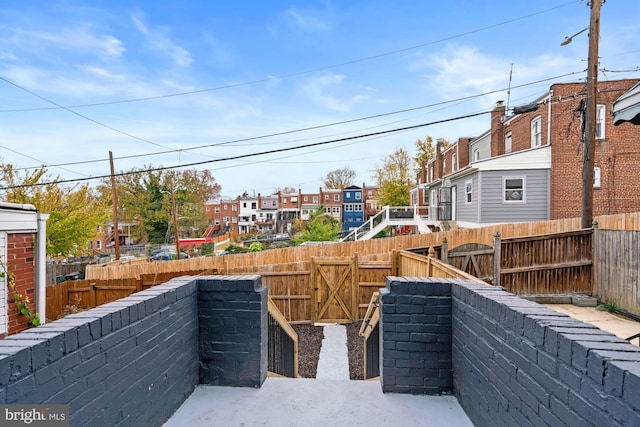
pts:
[473, 258]
[334, 286]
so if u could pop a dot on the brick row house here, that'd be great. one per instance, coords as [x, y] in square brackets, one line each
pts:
[528, 165]
[23, 255]
[276, 213]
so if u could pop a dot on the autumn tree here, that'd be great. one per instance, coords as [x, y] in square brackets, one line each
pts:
[285, 190]
[426, 151]
[75, 212]
[394, 178]
[144, 197]
[339, 178]
[320, 227]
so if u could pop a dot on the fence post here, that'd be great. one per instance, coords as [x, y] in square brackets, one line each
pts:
[432, 254]
[497, 255]
[92, 295]
[444, 251]
[394, 262]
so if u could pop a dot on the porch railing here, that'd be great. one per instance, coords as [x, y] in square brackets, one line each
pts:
[283, 344]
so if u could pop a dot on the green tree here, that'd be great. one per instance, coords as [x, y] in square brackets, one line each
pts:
[320, 227]
[145, 198]
[339, 178]
[394, 178]
[426, 151]
[74, 212]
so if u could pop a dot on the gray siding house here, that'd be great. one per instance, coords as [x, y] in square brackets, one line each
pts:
[512, 187]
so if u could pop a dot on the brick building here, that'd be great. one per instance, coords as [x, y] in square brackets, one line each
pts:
[528, 166]
[23, 255]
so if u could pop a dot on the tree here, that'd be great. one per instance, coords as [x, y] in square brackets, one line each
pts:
[319, 228]
[285, 190]
[394, 179]
[74, 212]
[426, 151]
[145, 197]
[339, 178]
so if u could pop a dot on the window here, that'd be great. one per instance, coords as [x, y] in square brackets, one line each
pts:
[315, 199]
[596, 177]
[217, 209]
[336, 210]
[254, 205]
[513, 190]
[508, 139]
[326, 197]
[358, 196]
[336, 197]
[284, 200]
[444, 166]
[306, 199]
[206, 210]
[468, 191]
[600, 116]
[536, 132]
[453, 163]
[273, 203]
[244, 204]
[234, 208]
[225, 207]
[234, 219]
[98, 244]
[476, 154]
[425, 196]
[347, 195]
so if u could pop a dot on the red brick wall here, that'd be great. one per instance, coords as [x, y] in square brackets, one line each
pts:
[20, 260]
[617, 155]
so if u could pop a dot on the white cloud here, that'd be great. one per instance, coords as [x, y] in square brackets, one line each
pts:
[158, 40]
[328, 90]
[308, 20]
[460, 71]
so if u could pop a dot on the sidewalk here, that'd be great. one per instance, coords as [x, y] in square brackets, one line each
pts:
[333, 362]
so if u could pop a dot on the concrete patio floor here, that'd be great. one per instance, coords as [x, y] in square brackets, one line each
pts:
[312, 402]
[621, 327]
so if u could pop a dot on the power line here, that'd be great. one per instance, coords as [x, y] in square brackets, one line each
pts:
[289, 132]
[242, 156]
[299, 73]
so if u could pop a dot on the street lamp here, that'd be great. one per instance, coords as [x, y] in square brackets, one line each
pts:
[589, 112]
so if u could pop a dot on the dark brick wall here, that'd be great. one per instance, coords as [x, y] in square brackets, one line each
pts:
[233, 331]
[134, 361]
[514, 362]
[415, 329]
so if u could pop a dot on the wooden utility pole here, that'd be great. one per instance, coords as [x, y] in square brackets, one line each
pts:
[175, 218]
[114, 197]
[590, 116]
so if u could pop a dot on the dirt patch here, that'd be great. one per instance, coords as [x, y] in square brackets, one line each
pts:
[309, 344]
[355, 345]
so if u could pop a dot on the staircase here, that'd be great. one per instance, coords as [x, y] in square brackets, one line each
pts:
[401, 216]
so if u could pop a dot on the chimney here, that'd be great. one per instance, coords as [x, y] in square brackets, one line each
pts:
[438, 163]
[497, 129]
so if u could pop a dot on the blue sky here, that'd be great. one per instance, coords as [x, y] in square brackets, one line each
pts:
[152, 80]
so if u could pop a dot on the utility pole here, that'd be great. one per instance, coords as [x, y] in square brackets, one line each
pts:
[590, 116]
[114, 198]
[175, 218]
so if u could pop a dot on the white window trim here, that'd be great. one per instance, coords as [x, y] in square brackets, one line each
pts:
[597, 177]
[508, 147]
[4, 304]
[468, 191]
[536, 142]
[476, 154]
[454, 159]
[601, 111]
[523, 200]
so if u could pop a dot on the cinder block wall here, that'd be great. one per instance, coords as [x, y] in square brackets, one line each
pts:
[516, 362]
[134, 361]
[233, 331]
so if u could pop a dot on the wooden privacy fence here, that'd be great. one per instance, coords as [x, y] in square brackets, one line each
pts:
[616, 256]
[365, 248]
